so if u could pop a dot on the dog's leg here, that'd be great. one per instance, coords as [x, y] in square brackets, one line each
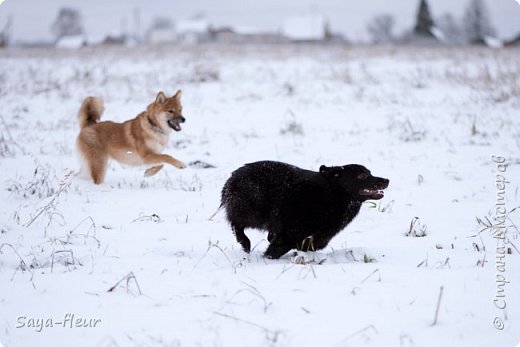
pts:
[153, 170]
[242, 238]
[155, 158]
[277, 248]
[93, 159]
[98, 169]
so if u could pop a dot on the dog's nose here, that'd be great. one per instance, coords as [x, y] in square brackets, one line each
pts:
[183, 119]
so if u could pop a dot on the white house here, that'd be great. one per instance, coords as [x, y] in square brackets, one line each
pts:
[193, 30]
[305, 28]
[72, 42]
[161, 35]
[161, 31]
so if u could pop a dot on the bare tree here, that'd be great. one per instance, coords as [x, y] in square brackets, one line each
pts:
[477, 23]
[68, 23]
[380, 28]
[5, 32]
[424, 22]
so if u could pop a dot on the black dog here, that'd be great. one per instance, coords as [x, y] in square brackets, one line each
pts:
[299, 208]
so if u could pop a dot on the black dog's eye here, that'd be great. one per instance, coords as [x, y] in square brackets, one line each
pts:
[362, 176]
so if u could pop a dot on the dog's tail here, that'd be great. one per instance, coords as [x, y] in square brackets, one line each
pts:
[90, 111]
[217, 211]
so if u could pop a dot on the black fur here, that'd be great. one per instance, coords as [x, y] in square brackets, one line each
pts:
[299, 208]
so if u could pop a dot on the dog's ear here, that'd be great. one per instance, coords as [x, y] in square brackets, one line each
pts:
[177, 96]
[330, 171]
[160, 98]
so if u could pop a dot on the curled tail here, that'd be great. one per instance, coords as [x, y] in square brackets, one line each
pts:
[90, 111]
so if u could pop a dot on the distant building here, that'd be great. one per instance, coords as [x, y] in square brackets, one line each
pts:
[493, 42]
[305, 28]
[115, 40]
[193, 31]
[228, 35]
[223, 35]
[161, 35]
[161, 31]
[72, 42]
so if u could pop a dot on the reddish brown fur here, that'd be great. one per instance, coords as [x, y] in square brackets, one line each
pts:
[138, 141]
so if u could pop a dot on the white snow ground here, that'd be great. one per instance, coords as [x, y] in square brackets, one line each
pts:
[429, 119]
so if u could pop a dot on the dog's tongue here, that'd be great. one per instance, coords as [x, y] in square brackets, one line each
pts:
[174, 125]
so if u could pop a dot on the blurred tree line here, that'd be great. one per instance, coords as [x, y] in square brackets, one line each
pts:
[474, 27]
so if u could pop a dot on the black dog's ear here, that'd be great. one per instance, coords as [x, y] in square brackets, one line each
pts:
[333, 171]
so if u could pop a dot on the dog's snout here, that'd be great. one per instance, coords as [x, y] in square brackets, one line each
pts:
[381, 182]
[182, 119]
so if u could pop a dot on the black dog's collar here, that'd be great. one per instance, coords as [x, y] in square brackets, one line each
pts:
[155, 127]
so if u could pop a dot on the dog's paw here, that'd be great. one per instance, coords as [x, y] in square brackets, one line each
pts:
[181, 165]
[152, 170]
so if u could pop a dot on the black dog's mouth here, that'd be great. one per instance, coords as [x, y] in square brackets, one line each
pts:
[376, 191]
[372, 193]
[175, 123]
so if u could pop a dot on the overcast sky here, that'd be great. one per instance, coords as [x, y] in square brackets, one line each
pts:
[32, 18]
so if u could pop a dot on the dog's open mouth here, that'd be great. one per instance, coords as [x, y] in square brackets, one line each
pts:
[372, 193]
[175, 124]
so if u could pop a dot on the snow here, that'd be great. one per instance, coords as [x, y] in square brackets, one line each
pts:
[304, 28]
[429, 119]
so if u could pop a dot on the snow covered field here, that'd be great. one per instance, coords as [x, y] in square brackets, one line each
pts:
[428, 119]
